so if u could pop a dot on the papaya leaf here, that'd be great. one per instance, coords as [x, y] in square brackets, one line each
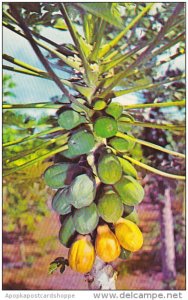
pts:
[83, 90]
[26, 155]
[59, 262]
[52, 268]
[88, 27]
[126, 74]
[146, 86]
[79, 42]
[146, 54]
[106, 48]
[109, 64]
[102, 10]
[60, 24]
[98, 40]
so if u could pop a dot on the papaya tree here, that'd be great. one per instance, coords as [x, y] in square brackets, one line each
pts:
[115, 48]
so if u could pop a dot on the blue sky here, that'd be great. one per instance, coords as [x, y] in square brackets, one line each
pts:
[28, 88]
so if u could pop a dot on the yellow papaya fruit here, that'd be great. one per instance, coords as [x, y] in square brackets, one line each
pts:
[81, 256]
[129, 235]
[107, 246]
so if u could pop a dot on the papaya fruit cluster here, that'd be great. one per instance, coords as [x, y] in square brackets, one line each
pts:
[97, 190]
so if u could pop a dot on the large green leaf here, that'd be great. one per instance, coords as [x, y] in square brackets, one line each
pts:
[105, 11]
[106, 48]
[145, 55]
[60, 24]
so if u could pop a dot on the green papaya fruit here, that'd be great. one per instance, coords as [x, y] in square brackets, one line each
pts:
[120, 144]
[124, 123]
[82, 191]
[110, 207]
[128, 168]
[80, 143]
[133, 216]
[86, 219]
[61, 201]
[55, 176]
[114, 109]
[99, 105]
[130, 190]
[105, 127]
[69, 119]
[109, 169]
[67, 231]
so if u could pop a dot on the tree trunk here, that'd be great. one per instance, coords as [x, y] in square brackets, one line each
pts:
[167, 239]
[102, 276]
[21, 243]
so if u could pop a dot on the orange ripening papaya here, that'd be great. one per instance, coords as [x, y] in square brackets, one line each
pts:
[129, 235]
[81, 256]
[106, 244]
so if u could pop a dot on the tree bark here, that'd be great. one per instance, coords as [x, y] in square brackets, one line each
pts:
[102, 276]
[168, 245]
